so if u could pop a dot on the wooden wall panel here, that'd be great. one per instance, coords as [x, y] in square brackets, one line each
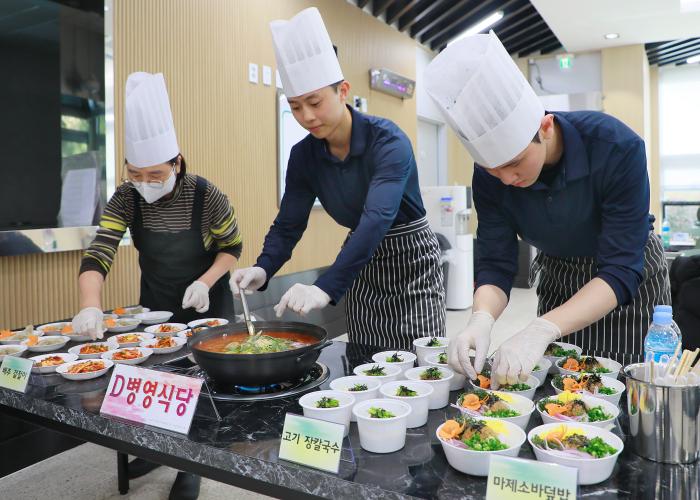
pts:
[226, 127]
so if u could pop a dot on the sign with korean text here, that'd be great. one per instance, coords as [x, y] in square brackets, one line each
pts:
[14, 373]
[312, 442]
[519, 479]
[150, 397]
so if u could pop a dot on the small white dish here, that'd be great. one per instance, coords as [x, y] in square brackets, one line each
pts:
[172, 329]
[423, 350]
[392, 372]
[544, 366]
[339, 415]
[12, 350]
[94, 355]
[441, 388]
[130, 312]
[615, 384]
[382, 435]
[48, 343]
[129, 339]
[524, 406]
[344, 384]
[418, 403]
[589, 401]
[67, 358]
[63, 369]
[458, 381]
[590, 470]
[385, 356]
[151, 344]
[207, 323]
[476, 463]
[54, 328]
[145, 354]
[124, 325]
[18, 336]
[554, 359]
[532, 381]
[154, 317]
[610, 364]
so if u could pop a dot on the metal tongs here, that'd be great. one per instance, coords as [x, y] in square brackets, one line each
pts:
[246, 315]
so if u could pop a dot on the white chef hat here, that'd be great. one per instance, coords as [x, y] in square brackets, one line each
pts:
[304, 52]
[149, 132]
[485, 98]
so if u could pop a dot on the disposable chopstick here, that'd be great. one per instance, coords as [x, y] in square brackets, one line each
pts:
[680, 364]
[691, 359]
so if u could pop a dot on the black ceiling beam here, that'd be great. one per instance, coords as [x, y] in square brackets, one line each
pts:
[511, 20]
[417, 13]
[380, 6]
[536, 27]
[398, 9]
[436, 17]
[447, 30]
[361, 3]
[516, 26]
[685, 50]
[652, 45]
[664, 45]
[674, 48]
[536, 38]
[553, 47]
[678, 57]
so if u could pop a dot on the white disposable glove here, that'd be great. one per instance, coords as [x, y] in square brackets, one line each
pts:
[517, 356]
[197, 296]
[477, 336]
[89, 322]
[248, 279]
[302, 299]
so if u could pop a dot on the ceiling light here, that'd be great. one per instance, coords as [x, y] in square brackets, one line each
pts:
[480, 26]
[612, 36]
[693, 60]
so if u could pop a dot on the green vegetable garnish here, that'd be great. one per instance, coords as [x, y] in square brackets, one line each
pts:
[259, 344]
[489, 444]
[514, 387]
[434, 342]
[505, 413]
[536, 368]
[432, 373]
[598, 448]
[376, 371]
[608, 391]
[405, 391]
[358, 387]
[596, 414]
[559, 352]
[325, 402]
[380, 413]
[601, 369]
[394, 358]
[442, 358]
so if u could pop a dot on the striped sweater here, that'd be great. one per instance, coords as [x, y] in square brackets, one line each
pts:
[219, 225]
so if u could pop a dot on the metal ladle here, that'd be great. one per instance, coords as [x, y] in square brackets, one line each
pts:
[246, 315]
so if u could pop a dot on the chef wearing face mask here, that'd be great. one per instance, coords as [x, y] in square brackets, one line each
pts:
[183, 227]
[572, 184]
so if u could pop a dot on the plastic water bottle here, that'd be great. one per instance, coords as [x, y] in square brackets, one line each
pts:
[661, 338]
[666, 233]
[674, 325]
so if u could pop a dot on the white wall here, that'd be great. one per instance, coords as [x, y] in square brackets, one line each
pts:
[425, 107]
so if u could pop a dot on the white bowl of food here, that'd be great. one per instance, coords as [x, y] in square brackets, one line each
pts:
[416, 394]
[12, 350]
[607, 388]
[384, 372]
[382, 424]
[164, 345]
[439, 378]
[484, 403]
[402, 359]
[133, 339]
[202, 324]
[16, 337]
[154, 317]
[166, 329]
[440, 359]
[331, 406]
[592, 450]
[47, 363]
[571, 407]
[128, 355]
[468, 443]
[362, 388]
[526, 389]
[121, 325]
[541, 370]
[604, 367]
[559, 350]
[429, 345]
[91, 350]
[130, 312]
[60, 328]
[85, 369]
[46, 343]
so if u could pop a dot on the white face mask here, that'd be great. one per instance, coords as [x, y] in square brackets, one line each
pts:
[152, 194]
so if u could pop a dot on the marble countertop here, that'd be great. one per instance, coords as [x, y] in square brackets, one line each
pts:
[242, 448]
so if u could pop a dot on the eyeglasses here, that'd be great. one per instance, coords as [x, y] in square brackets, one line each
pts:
[153, 183]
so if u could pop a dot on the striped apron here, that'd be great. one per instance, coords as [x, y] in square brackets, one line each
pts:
[399, 295]
[623, 329]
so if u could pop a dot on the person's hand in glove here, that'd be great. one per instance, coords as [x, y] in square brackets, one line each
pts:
[197, 296]
[517, 356]
[302, 299]
[248, 279]
[89, 322]
[477, 336]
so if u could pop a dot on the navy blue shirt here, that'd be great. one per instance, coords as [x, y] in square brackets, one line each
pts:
[595, 203]
[373, 189]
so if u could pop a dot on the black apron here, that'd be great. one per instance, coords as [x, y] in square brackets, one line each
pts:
[172, 261]
[623, 329]
[399, 295]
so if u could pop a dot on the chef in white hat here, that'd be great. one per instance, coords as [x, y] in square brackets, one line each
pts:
[363, 171]
[183, 227]
[572, 184]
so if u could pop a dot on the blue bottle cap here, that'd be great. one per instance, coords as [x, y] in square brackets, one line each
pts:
[662, 318]
[663, 308]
